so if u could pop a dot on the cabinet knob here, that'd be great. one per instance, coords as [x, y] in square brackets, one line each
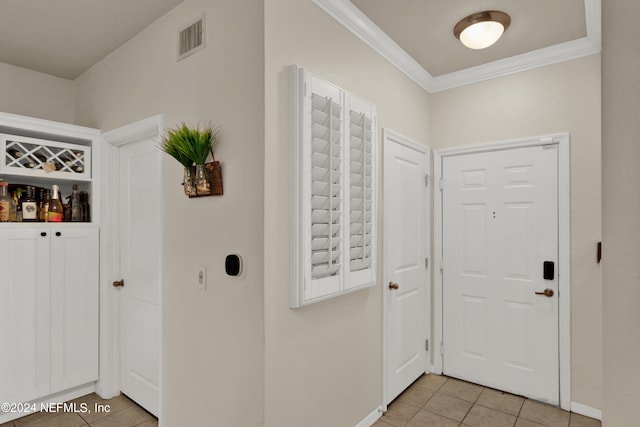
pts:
[58, 233]
[43, 234]
[118, 283]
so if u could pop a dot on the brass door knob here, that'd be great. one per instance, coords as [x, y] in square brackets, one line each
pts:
[547, 293]
[393, 285]
[118, 283]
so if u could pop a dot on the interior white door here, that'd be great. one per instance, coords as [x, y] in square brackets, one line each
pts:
[406, 242]
[500, 225]
[140, 207]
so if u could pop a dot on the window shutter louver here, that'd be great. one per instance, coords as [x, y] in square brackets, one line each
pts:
[326, 187]
[361, 193]
[333, 186]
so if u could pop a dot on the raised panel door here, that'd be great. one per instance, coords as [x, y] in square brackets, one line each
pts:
[24, 314]
[74, 307]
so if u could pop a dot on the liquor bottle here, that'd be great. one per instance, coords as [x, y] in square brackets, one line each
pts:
[17, 195]
[75, 205]
[5, 201]
[12, 210]
[86, 209]
[55, 206]
[29, 205]
[44, 205]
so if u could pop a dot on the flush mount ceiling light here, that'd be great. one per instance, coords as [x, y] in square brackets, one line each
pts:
[482, 29]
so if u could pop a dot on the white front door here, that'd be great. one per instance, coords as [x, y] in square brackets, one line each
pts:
[140, 208]
[500, 227]
[406, 243]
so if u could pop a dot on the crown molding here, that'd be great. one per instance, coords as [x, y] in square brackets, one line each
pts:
[347, 14]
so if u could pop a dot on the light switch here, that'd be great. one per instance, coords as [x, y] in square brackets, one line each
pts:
[201, 279]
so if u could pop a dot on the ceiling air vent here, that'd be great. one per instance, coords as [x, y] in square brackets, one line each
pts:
[191, 38]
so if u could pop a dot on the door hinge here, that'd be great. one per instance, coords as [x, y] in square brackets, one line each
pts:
[441, 348]
[426, 180]
[426, 346]
[441, 184]
[441, 265]
[426, 263]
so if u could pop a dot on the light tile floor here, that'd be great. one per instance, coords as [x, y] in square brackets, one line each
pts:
[122, 412]
[438, 401]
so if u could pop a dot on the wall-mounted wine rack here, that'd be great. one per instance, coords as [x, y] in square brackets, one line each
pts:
[42, 158]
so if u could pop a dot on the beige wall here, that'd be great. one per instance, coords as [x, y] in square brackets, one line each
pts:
[323, 362]
[621, 211]
[34, 94]
[558, 98]
[213, 340]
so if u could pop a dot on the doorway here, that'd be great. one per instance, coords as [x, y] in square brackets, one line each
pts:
[406, 284]
[502, 248]
[132, 280]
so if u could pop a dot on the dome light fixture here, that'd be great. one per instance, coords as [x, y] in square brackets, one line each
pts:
[481, 30]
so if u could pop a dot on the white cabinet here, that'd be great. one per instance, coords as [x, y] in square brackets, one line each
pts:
[48, 309]
[25, 309]
[74, 307]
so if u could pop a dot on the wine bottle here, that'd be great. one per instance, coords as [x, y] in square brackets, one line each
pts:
[5, 201]
[14, 153]
[86, 209]
[55, 206]
[44, 205]
[17, 195]
[29, 205]
[75, 205]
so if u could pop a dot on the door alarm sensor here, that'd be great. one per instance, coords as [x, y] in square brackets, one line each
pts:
[233, 265]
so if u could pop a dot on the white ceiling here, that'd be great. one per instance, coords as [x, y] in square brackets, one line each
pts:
[417, 35]
[424, 28]
[65, 38]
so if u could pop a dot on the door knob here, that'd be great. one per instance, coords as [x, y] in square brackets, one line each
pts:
[118, 283]
[547, 293]
[393, 285]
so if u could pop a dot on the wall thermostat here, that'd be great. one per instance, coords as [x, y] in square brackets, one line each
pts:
[233, 265]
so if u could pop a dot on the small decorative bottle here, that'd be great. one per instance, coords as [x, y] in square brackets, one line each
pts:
[202, 181]
[188, 181]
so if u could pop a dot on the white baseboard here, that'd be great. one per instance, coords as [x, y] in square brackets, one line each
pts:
[585, 410]
[371, 418]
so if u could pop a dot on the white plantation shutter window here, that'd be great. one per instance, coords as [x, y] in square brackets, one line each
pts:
[333, 169]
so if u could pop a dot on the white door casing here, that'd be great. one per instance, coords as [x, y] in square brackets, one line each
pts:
[495, 330]
[406, 248]
[131, 327]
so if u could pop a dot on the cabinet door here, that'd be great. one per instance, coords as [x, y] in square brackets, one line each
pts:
[74, 307]
[24, 314]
